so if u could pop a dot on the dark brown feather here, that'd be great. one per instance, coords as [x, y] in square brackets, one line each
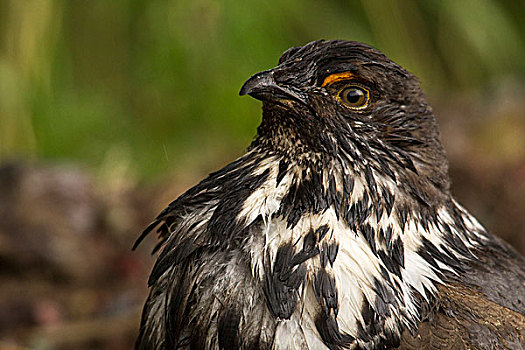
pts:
[464, 318]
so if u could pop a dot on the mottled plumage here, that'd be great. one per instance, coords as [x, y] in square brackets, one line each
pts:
[336, 230]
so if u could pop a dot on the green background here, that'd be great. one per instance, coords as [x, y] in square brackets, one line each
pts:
[153, 85]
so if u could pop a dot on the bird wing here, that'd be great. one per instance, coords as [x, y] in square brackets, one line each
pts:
[201, 297]
[485, 310]
[464, 318]
[201, 284]
[499, 272]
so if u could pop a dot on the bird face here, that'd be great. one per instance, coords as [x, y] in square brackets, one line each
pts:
[341, 99]
[342, 86]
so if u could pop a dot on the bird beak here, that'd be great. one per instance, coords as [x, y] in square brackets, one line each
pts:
[262, 86]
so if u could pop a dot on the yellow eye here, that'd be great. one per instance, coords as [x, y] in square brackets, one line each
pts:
[355, 97]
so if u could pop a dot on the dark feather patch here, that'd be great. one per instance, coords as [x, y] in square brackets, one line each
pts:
[228, 329]
[223, 226]
[321, 231]
[283, 170]
[324, 255]
[325, 290]
[329, 332]
[170, 258]
[385, 298]
[282, 283]
[388, 201]
[333, 248]
[373, 332]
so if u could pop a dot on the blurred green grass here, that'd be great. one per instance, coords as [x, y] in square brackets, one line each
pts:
[154, 83]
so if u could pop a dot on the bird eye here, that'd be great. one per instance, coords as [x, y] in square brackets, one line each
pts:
[355, 97]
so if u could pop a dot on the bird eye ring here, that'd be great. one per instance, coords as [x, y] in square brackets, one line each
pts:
[355, 97]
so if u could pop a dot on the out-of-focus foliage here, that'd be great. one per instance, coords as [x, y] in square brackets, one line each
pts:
[153, 83]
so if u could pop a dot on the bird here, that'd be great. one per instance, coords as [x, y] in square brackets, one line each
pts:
[335, 230]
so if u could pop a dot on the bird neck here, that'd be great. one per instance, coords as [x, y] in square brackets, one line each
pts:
[381, 247]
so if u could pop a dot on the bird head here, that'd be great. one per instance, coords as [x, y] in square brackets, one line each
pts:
[344, 100]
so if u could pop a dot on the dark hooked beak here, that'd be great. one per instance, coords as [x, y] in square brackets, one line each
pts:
[262, 86]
